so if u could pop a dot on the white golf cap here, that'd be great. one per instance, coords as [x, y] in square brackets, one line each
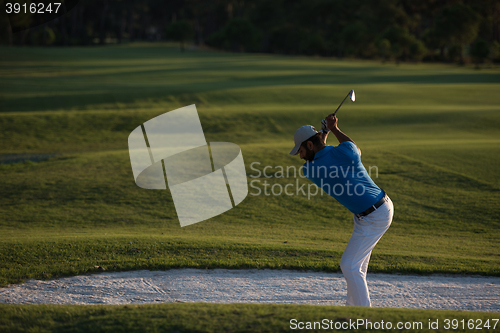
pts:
[302, 134]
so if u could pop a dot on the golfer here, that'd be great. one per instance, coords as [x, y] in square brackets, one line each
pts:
[340, 173]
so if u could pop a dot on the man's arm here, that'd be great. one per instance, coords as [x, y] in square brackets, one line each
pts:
[324, 136]
[332, 126]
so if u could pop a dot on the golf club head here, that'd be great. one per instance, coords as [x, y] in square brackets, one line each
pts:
[352, 96]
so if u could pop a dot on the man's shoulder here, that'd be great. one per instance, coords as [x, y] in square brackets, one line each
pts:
[348, 147]
[347, 144]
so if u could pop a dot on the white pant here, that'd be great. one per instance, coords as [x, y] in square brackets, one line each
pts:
[354, 263]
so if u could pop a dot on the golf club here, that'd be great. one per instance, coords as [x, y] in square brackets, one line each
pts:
[351, 95]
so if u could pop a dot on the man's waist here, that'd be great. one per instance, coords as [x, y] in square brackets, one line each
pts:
[359, 199]
[374, 207]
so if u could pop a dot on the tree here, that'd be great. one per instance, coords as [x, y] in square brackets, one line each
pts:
[286, 39]
[180, 31]
[457, 25]
[417, 50]
[312, 44]
[327, 27]
[354, 38]
[242, 35]
[266, 16]
[238, 35]
[384, 49]
[494, 51]
[44, 36]
[435, 40]
[479, 51]
[455, 53]
[400, 40]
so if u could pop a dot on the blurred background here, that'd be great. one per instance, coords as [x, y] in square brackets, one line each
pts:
[399, 30]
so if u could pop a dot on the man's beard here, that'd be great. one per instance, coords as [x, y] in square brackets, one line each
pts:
[309, 157]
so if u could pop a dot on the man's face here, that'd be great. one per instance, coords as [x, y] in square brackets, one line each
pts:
[306, 153]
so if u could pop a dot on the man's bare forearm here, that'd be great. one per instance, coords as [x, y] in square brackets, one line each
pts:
[341, 136]
[324, 136]
[332, 126]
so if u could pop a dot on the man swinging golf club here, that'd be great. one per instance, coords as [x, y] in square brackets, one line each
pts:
[340, 173]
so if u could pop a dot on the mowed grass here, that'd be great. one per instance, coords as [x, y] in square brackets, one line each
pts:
[197, 317]
[430, 134]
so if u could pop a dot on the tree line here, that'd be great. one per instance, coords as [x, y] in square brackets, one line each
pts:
[398, 30]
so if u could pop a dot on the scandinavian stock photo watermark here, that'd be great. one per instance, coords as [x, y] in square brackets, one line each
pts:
[367, 324]
[261, 184]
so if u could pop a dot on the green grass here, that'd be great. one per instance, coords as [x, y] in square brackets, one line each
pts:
[432, 132]
[197, 317]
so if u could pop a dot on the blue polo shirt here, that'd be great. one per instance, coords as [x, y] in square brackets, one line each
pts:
[340, 173]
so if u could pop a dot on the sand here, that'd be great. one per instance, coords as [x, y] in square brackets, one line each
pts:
[475, 293]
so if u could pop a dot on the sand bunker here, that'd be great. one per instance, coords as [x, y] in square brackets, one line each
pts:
[474, 293]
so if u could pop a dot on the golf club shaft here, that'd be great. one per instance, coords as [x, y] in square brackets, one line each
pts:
[340, 104]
